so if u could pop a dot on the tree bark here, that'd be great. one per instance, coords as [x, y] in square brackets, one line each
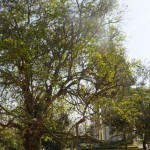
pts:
[32, 142]
[144, 145]
[144, 142]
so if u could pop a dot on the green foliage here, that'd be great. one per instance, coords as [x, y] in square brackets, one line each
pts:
[10, 139]
[129, 113]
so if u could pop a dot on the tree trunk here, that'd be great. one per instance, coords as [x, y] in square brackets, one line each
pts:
[144, 145]
[31, 142]
[144, 142]
[126, 144]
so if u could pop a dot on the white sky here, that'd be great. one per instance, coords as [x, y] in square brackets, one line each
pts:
[137, 28]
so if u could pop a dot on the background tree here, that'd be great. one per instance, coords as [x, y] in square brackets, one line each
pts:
[118, 114]
[131, 110]
[142, 104]
[142, 124]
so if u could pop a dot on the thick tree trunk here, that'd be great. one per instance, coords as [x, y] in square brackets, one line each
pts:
[31, 142]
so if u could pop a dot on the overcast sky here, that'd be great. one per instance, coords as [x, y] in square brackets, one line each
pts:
[137, 28]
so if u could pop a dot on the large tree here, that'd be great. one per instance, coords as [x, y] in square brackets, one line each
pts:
[57, 57]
